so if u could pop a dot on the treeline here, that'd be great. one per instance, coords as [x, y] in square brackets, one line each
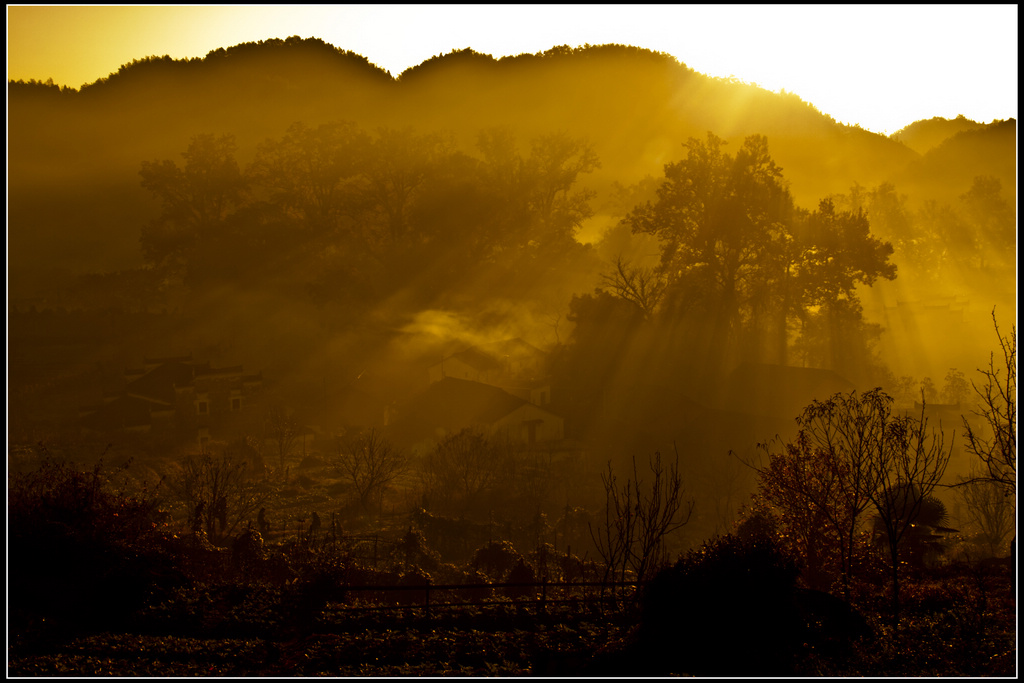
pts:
[712, 265]
[74, 154]
[351, 219]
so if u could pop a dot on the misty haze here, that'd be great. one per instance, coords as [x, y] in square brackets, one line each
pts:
[574, 363]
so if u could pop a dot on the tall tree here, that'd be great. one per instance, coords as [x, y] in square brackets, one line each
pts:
[722, 222]
[195, 200]
[836, 253]
[312, 173]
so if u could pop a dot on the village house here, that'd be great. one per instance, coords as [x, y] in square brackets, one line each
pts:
[177, 397]
[514, 365]
[450, 405]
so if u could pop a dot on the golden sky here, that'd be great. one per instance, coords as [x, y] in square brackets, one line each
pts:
[877, 65]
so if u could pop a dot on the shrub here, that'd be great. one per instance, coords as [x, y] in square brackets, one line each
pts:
[725, 609]
[84, 554]
[496, 559]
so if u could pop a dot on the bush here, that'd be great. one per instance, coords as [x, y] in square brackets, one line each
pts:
[85, 555]
[725, 609]
[496, 559]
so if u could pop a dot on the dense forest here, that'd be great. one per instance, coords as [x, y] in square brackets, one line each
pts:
[581, 315]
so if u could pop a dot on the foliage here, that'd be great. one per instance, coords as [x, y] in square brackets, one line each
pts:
[195, 201]
[820, 482]
[88, 550]
[852, 453]
[497, 559]
[741, 263]
[904, 472]
[743, 587]
[639, 285]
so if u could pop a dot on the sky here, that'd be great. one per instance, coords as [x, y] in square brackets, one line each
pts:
[879, 66]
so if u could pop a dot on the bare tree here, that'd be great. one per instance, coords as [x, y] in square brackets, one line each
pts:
[642, 286]
[639, 516]
[463, 468]
[905, 469]
[280, 426]
[821, 483]
[988, 508]
[997, 397]
[371, 464]
[218, 493]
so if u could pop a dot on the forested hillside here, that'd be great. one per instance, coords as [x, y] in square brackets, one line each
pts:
[285, 195]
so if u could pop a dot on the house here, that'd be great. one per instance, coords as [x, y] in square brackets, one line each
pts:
[175, 396]
[778, 391]
[450, 405]
[515, 365]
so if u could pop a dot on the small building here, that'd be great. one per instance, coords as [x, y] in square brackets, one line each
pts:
[175, 396]
[512, 361]
[514, 365]
[779, 391]
[450, 405]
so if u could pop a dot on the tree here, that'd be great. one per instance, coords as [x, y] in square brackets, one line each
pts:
[371, 464]
[218, 493]
[836, 252]
[992, 217]
[642, 286]
[539, 209]
[721, 221]
[280, 426]
[988, 508]
[820, 484]
[905, 470]
[956, 389]
[997, 399]
[313, 174]
[853, 453]
[195, 200]
[399, 163]
[462, 469]
[638, 516]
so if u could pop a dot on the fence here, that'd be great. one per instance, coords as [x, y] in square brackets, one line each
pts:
[542, 594]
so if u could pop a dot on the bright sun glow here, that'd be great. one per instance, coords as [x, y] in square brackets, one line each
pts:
[878, 66]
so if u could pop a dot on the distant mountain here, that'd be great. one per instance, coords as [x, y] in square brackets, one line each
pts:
[972, 152]
[922, 136]
[75, 202]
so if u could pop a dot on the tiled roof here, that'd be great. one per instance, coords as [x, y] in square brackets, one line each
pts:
[123, 412]
[158, 384]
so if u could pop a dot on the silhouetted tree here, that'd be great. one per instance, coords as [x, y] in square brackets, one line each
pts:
[638, 515]
[195, 200]
[463, 469]
[904, 470]
[956, 388]
[990, 214]
[821, 482]
[642, 286]
[539, 208]
[988, 508]
[221, 489]
[280, 426]
[997, 399]
[313, 174]
[722, 221]
[370, 463]
[836, 253]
